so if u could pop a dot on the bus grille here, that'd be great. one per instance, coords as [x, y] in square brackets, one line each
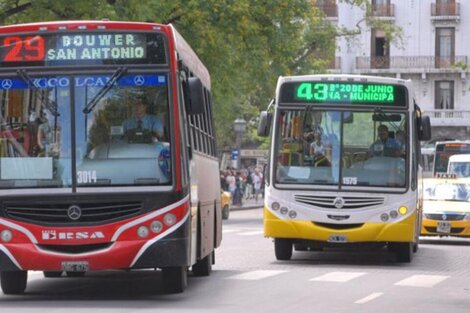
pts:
[327, 202]
[448, 216]
[58, 213]
[338, 226]
[75, 249]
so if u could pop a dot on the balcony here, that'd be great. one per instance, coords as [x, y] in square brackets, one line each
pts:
[411, 64]
[448, 117]
[330, 9]
[383, 11]
[445, 12]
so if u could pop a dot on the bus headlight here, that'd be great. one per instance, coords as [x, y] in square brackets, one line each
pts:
[156, 226]
[384, 217]
[403, 210]
[467, 216]
[169, 219]
[284, 210]
[142, 231]
[292, 214]
[393, 214]
[6, 235]
[275, 206]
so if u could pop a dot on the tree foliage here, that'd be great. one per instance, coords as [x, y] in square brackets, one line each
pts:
[245, 44]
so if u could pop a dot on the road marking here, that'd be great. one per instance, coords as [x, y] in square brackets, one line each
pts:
[338, 277]
[256, 275]
[252, 233]
[426, 281]
[225, 231]
[369, 298]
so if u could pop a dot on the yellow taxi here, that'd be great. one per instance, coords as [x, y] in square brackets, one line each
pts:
[225, 204]
[446, 207]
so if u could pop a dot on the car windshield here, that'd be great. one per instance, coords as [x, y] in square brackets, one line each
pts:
[447, 191]
[121, 131]
[328, 147]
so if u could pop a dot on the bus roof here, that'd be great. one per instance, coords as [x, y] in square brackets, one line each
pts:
[343, 77]
[80, 25]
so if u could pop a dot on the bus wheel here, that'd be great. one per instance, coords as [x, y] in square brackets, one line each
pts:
[13, 282]
[175, 279]
[225, 212]
[283, 248]
[75, 274]
[52, 274]
[403, 251]
[203, 267]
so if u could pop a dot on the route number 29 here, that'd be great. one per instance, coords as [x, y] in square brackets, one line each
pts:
[29, 48]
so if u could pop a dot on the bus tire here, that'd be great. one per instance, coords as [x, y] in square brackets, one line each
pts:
[225, 212]
[203, 267]
[175, 279]
[403, 251]
[283, 249]
[52, 274]
[13, 282]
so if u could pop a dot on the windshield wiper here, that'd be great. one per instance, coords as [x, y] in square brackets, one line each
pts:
[114, 78]
[51, 105]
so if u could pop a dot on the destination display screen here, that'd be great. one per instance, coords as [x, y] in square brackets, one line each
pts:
[82, 49]
[344, 92]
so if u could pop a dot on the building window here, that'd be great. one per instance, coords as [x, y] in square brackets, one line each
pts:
[444, 95]
[380, 49]
[445, 7]
[445, 47]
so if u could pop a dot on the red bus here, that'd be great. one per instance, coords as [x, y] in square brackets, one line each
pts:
[105, 129]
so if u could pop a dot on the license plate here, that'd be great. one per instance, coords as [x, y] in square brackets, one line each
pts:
[338, 238]
[81, 266]
[443, 227]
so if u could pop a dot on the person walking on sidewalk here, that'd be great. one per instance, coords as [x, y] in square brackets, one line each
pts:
[257, 180]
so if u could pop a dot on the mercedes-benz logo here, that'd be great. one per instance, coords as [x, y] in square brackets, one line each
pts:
[7, 83]
[444, 217]
[139, 80]
[338, 202]
[74, 212]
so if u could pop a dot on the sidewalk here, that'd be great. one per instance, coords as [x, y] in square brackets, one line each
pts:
[249, 204]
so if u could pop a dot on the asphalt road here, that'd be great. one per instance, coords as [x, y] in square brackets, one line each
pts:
[248, 278]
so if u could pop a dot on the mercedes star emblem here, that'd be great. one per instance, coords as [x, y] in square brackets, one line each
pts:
[74, 212]
[338, 202]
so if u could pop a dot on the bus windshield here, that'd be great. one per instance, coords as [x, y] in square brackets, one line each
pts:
[349, 148]
[120, 136]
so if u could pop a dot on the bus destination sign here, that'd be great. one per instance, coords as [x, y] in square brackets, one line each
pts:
[344, 92]
[93, 48]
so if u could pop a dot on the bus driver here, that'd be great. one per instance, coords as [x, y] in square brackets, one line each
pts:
[384, 145]
[141, 122]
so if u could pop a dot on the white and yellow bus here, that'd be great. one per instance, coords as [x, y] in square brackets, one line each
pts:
[344, 164]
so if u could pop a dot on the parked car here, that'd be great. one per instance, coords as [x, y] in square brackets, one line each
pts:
[225, 203]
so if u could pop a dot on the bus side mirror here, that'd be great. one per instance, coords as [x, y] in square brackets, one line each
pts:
[264, 124]
[194, 96]
[424, 128]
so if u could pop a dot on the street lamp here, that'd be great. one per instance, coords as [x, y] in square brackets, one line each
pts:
[239, 126]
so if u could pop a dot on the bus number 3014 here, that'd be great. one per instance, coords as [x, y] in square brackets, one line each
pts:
[86, 177]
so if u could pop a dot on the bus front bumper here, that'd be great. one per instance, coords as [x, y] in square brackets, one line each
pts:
[403, 231]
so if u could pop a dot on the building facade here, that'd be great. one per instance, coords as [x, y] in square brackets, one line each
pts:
[434, 54]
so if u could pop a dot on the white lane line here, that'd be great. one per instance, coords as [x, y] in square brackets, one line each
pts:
[226, 231]
[338, 277]
[256, 275]
[369, 298]
[426, 281]
[252, 233]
